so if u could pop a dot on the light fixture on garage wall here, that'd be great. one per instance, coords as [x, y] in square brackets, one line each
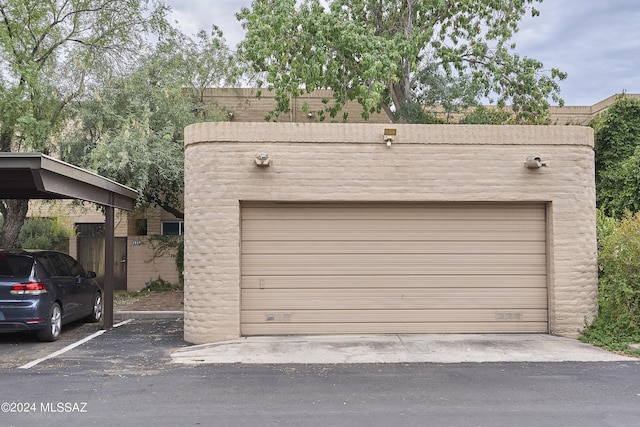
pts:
[389, 136]
[263, 160]
[533, 162]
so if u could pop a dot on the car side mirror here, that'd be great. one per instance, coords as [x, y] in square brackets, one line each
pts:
[91, 275]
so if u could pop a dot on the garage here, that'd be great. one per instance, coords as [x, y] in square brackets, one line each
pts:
[339, 268]
[348, 228]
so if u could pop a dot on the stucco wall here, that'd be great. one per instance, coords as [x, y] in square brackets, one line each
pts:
[246, 106]
[351, 162]
[143, 266]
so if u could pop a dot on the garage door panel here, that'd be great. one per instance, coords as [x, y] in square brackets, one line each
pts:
[395, 316]
[409, 298]
[394, 328]
[393, 268]
[387, 224]
[358, 264]
[392, 229]
[405, 235]
[473, 280]
[393, 247]
[260, 211]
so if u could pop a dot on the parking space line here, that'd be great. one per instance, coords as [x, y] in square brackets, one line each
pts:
[70, 346]
[123, 323]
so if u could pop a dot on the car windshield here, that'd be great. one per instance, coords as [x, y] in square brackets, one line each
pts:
[15, 266]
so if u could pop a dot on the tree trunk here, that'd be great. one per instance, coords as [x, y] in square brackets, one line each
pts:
[14, 213]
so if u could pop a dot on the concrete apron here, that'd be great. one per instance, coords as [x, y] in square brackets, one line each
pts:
[450, 348]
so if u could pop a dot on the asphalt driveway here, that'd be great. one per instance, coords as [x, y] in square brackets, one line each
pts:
[139, 344]
[130, 376]
[127, 376]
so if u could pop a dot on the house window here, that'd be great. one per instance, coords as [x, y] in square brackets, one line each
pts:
[172, 228]
[141, 227]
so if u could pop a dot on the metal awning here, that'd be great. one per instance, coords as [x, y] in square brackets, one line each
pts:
[38, 176]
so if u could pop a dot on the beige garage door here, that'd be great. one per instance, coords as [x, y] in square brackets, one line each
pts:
[393, 268]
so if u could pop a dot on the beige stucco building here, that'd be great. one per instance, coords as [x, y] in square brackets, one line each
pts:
[305, 228]
[243, 105]
[134, 244]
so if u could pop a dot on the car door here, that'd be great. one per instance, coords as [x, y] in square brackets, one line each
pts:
[63, 283]
[84, 288]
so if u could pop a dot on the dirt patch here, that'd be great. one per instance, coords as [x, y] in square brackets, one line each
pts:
[149, 301]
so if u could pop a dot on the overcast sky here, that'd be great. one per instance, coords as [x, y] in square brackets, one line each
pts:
[597, 42]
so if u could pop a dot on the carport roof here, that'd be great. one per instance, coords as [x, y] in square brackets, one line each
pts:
[38, 176]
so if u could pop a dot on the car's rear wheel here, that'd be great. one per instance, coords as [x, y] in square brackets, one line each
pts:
[54, 324]
[96, 313]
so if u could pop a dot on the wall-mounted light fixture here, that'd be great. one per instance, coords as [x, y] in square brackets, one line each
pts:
[262, 160]
[389, 136]
[533, 162]
[230, 114]
[311, 114]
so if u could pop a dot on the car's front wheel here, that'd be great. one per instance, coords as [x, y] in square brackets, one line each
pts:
[96, 313]
[54, 324]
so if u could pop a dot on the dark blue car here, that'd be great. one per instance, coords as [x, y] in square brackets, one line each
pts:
[42, 290]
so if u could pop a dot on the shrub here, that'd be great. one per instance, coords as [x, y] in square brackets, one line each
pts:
[45, 233]
[618, 320]
[161, 285]
[486, 116]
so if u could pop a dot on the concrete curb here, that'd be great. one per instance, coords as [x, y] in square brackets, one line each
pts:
[148, 315]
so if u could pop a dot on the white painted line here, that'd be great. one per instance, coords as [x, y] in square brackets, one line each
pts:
[61, 351]
[70, 346]
[123, 323]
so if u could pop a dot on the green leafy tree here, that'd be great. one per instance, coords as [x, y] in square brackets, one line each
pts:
[377, 53]
[452, 94]
[617, 156]
[48, 51]
[131, 127]
[132, 133]
[199, 62]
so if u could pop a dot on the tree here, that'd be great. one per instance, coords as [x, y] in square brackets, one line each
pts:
[131, 132]
[48, 51]
[131, 127]
[198, 62]
[453, 94]
[375, 52]
[617, 161]
[617, 157]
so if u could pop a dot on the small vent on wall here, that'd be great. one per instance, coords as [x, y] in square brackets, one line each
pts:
[278, 317]
[509, 316]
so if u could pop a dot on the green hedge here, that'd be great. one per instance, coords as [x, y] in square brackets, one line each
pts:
[618, 320]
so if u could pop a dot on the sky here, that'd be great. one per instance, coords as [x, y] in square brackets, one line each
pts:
[597, 42]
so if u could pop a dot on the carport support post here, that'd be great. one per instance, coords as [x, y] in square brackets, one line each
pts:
[109, 238]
